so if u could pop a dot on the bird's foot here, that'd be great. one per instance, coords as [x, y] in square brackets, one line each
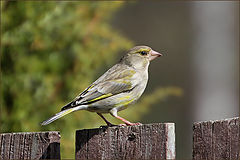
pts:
[109, 125]
[130, 124]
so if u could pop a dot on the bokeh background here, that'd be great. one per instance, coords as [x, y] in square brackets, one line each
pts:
[50, 51]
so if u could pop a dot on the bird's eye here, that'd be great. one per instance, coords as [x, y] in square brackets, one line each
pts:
[143, 53]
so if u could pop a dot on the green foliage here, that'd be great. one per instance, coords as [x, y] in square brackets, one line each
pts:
[50, 52]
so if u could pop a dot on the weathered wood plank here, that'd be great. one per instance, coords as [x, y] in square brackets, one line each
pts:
[216, 139]
[234, 138]
[148, 141]
[30, 145]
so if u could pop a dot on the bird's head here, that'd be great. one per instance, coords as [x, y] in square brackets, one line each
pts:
[140, 56]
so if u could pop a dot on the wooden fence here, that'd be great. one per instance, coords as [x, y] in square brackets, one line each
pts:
[216, 139]
[211, 140]
[33, 145]
[149, 141]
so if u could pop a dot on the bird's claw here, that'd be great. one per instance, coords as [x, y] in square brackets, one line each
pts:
[130, 124]
[121, 125]
[109, 125]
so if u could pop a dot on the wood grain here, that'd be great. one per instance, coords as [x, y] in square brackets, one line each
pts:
[148, 141]
[30, 145]
[216, 139]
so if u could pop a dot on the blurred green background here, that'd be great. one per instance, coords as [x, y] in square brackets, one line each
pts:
[51, 51]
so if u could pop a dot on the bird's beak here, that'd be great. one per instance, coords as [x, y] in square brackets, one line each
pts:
[154, 54]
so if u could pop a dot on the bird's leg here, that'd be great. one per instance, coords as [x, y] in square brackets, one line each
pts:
[126, 121]
[108, 123]
[114, 114]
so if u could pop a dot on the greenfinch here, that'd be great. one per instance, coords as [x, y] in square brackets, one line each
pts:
[120, 86]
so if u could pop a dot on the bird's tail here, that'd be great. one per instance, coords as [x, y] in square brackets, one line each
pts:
[61, 114]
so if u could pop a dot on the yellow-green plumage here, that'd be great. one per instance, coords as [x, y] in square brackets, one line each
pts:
[120, 86]
[100, 97]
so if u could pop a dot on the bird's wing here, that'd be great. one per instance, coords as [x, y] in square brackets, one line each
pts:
[112, 84]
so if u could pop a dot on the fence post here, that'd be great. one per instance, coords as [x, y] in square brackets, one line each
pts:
[148, 141]
[30, 145]
[216, 139]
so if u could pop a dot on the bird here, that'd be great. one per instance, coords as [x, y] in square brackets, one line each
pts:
[119, 87]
